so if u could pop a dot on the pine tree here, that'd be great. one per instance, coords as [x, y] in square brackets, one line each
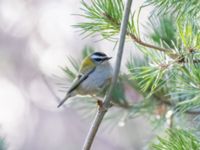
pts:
[167, 76]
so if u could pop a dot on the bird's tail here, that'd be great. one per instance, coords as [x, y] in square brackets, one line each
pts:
[63, 101]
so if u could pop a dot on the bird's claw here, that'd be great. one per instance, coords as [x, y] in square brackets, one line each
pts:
[102, 106]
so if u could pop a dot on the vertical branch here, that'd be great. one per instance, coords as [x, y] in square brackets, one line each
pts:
[101, 112]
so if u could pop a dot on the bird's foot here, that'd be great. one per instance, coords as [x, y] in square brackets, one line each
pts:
[102, 106]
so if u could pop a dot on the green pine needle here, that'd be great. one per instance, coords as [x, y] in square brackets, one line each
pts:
[162, 29]
[188, 8]
[104, 17]
[177, 139]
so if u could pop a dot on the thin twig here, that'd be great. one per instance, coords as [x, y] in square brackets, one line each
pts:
[139, 41]
[169, 52]
[100, 114]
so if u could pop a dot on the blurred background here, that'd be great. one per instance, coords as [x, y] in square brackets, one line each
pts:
[36, 37]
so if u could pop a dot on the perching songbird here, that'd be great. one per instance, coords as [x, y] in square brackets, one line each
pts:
[94, 75]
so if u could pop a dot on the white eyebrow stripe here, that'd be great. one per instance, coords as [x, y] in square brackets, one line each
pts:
[98, 57]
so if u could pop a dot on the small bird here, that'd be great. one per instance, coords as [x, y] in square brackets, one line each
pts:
[94, 75]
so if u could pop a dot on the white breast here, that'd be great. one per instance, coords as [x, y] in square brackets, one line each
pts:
[97, 79]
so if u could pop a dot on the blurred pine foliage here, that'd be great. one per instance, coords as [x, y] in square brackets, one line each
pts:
[2, 144]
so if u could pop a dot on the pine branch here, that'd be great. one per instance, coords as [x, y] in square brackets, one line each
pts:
[100, 114]
[108, 23]
[139, 41]
[104, 17]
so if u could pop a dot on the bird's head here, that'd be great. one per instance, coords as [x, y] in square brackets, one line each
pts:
[93, 60]
[99, 57]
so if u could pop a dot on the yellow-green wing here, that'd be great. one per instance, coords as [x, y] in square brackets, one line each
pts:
[86, 65]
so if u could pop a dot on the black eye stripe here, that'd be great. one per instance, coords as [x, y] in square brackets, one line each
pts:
[102, 59]
[99, 54]
[98, 59]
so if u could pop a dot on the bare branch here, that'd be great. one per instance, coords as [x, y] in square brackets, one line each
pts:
[101, 112]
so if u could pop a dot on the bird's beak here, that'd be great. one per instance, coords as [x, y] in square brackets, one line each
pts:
[108, 58]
